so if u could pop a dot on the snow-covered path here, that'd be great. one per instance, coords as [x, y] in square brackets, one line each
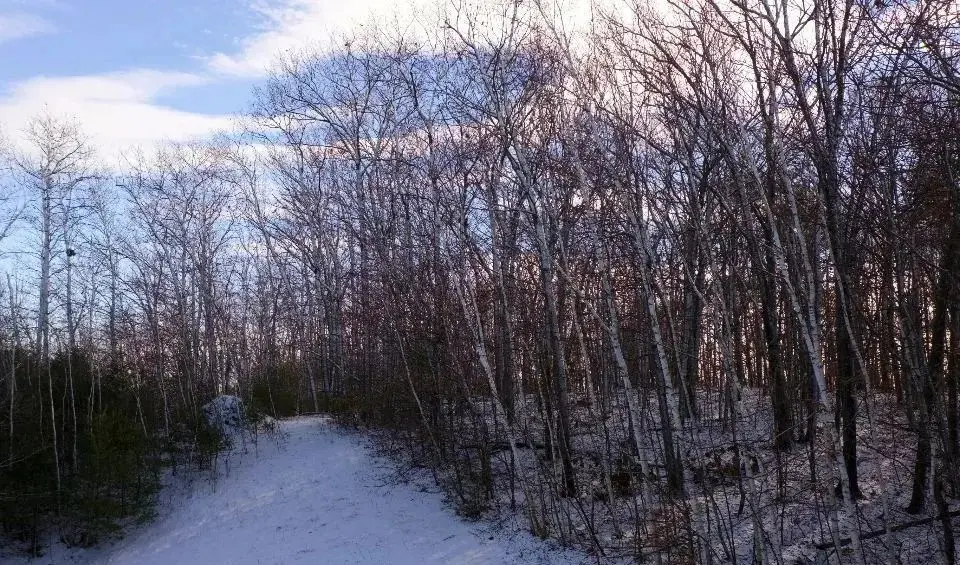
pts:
[320, 499]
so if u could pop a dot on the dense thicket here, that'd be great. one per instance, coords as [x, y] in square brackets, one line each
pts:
[684, 284]
[109, 461]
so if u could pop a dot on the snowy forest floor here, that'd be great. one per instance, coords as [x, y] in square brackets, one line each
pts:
[312, 493]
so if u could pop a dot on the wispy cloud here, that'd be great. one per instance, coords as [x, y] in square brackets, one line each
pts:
[18, 25]
[289, 25]
[293, 24]
[118, 110]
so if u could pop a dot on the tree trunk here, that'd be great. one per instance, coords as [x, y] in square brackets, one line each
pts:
[556, 351]
[931, 413]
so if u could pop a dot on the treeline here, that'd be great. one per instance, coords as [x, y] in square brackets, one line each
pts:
[103, 369]
[559, 266]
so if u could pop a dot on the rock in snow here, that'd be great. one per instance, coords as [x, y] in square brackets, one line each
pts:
[319, 497]
[225, 413]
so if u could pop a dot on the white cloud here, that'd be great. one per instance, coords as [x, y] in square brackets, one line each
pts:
[117, 111]
[18, 25]
[120, 110]
[293, 24]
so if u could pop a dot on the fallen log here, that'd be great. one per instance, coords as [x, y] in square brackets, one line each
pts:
[897, 528]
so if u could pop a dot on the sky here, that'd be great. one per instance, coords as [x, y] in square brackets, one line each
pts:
[138, 72]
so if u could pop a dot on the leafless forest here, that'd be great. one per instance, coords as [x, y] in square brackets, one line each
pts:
[681, 285]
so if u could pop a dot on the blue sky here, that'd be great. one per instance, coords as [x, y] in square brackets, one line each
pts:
[137, 72]
[99, 36]
[96, 36]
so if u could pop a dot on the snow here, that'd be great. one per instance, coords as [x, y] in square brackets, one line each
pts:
[318, 495]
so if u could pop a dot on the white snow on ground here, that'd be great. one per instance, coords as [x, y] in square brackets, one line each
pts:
[320, 497]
